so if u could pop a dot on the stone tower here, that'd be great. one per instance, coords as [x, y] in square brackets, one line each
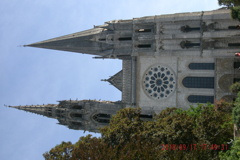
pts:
[88, 115]
[172, 60]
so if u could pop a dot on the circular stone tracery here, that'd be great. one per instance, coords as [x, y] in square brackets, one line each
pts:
[159, 82]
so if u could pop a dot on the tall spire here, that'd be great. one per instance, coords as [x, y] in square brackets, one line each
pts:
[81, 42]
[105, 41]
[86, 115]
[45, 110]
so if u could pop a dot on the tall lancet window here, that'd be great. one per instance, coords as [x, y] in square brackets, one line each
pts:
[144, 46]
[236, 65]
[233, 44]
[201, 66]
[142, 30]
[186, 28]
[102, 118]
[189, 44]
[125, 38]
[198, 82]
[236, 27]
[200, 99]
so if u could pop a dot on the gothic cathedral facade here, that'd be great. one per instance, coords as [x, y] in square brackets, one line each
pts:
[173, 60]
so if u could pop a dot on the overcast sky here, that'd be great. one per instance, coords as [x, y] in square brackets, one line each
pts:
[36, 76]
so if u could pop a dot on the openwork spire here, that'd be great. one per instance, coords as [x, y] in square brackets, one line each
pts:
[45, 110]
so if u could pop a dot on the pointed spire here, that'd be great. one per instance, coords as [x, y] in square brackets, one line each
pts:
[80, 42]
[44, 110]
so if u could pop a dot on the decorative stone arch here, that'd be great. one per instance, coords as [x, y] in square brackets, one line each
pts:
[225, 82]
[101, 117]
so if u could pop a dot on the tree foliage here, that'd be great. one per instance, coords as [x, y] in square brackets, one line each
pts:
[236, 13]
[165, 137]
[229, 3]
[236, 111]
[235, 88]
[233, 154]
[234, 5]
[62, 151]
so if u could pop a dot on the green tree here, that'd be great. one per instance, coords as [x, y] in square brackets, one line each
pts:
[236, 111]
[235, 88]
[236, 13]
[234, 5]
[92, 147]
[130, 137]
[233, 154]
[62, 151]
[229, 3]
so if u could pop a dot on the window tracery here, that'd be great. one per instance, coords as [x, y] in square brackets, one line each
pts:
[102, 118]
[159, 82]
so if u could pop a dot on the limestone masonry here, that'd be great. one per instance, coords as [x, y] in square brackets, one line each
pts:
[173, 60]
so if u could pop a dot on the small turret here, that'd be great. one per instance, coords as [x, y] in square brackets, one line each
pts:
[116, 80]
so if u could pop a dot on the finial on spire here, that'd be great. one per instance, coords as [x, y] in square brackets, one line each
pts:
[104, 80]
[21, 45]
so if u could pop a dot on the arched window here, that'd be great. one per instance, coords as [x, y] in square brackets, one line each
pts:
[200, 99]
[201, 66]
[236, 65]
[186, 28]
[233, 44]
[125, 38]
[102, 39]
[142, 30]
[236, 80]
[237, 27]
[144, 46]
[102, 118]
[198, 82]
[189, 44]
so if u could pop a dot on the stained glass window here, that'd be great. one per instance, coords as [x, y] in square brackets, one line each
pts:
[201, 66]
[200, 99]
[198, 82]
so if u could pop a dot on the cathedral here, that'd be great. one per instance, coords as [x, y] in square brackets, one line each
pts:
[174, 60]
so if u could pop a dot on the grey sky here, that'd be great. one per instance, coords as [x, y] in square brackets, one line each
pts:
[36, 76]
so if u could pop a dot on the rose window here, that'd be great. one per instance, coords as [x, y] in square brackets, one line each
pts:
[159, 82]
